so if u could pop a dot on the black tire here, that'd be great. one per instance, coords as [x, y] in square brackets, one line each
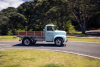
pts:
[27, 41]
[59, 42]
[34, 41]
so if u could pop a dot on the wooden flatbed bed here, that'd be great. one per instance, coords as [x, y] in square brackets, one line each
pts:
[30, 33]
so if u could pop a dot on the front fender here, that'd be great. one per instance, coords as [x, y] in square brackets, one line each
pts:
[61, 36]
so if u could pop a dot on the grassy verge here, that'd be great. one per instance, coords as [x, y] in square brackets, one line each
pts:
[84, 39]
[37, 58]
[8, 38]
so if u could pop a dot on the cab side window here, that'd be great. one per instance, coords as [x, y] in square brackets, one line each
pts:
[49, 28]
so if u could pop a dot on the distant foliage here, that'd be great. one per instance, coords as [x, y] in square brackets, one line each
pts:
[69, 27]
[33, 16]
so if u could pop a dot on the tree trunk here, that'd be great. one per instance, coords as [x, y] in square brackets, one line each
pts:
[83, 28]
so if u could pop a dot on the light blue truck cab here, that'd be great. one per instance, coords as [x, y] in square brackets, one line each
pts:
[50, 34]
[53, 35]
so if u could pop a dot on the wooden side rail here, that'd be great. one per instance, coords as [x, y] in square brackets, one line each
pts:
[30, 33]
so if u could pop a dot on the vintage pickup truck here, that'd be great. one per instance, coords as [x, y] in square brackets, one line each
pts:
[49, 34]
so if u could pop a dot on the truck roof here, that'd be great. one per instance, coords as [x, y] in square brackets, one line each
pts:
[49, 25]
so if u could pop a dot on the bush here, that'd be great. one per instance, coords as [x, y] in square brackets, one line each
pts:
[69, 27]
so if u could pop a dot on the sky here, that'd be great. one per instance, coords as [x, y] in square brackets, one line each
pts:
[10, 3]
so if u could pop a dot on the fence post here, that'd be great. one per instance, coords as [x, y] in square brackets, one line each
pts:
[26, 33]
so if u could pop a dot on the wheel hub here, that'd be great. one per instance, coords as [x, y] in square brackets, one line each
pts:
[58, 42]
[26, 42]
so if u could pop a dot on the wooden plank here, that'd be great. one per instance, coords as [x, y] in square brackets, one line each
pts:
[30, 33]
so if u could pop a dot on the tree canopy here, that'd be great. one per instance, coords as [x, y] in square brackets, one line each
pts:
[34, 15]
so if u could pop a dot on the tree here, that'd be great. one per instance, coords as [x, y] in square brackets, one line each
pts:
[11, 20]
[35, 14]
[94, 21]
[40, 13]
[59, 14]
[3, 24]
[7, 11]
[82, 10]
[16, 21]
[27, 9]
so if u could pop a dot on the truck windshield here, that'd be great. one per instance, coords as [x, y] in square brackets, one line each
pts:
[55, 28]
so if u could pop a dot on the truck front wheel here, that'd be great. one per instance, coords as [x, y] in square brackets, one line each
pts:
[59, 42]
[27, 41]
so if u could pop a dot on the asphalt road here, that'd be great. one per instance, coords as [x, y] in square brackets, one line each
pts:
[80, 48]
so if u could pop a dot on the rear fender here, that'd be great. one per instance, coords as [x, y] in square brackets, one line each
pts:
[27, 37]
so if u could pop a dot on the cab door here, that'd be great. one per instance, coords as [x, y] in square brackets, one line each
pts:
[49, 34]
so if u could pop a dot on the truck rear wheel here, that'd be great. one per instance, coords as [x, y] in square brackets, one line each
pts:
[27, 41]
[59, 42]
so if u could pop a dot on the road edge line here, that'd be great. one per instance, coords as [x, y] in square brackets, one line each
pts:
[72, 53]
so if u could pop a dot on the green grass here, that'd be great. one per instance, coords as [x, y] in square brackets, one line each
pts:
[8, 38]
[73, 34]
[37, 58]
[84, 39]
